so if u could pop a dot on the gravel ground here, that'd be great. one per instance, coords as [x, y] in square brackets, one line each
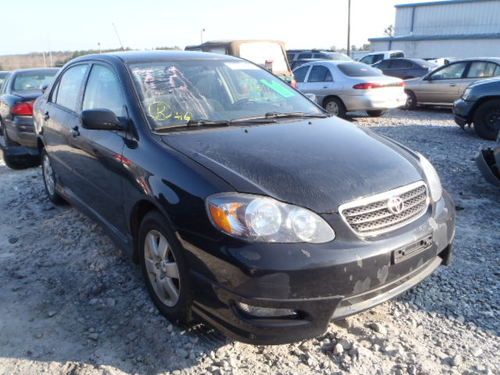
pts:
[71, 303]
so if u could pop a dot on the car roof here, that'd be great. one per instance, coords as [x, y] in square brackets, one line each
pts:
[331, 62]
[490, 59]
[133, 57]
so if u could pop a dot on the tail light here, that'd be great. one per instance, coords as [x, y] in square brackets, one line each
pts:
[369, 86]
[22, 109]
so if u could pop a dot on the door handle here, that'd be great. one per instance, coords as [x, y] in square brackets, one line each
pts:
[325, 87]
[46, 116]
[75, 132]
[453, 84]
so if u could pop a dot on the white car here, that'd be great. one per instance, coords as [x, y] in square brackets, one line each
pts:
[375, 57]
[342, 87]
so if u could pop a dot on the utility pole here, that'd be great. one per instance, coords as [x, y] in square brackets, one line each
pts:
[201, 35]
[349, 28]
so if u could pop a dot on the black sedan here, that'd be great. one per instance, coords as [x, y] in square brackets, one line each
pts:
[405, 68]
[244, 202]
[17, 134]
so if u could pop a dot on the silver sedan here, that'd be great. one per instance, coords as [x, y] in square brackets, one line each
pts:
[342, 87]
[446, 84]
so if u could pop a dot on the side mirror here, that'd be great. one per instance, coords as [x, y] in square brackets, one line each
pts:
[311, 97]
[100, 119]
[45, 87]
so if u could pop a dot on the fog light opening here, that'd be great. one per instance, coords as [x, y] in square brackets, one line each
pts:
[266, 312]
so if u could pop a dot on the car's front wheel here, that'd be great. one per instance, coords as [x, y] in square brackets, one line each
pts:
[164, 268]
[49, 179]
[487, 120]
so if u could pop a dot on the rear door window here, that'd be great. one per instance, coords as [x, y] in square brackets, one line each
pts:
[481, 69]
[400, 64]
[367, 59]
[67, 91]
[320, 73]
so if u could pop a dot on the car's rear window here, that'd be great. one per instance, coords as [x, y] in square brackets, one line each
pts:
[32, 81]
[359, 70]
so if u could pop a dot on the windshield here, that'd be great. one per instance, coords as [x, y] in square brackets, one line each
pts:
[359, 70]
[269, 55]
[176, 92]
[32, 81]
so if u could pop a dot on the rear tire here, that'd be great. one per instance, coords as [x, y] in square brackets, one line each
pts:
[49, 180]
[335, 106]
[165, 271]
[411, 101]
[487, 120]
[374, 113]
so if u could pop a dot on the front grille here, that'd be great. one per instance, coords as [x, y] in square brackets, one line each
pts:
[372, 215]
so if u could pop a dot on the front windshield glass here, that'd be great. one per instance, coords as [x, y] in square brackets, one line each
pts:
[175, 92]
[33, 81]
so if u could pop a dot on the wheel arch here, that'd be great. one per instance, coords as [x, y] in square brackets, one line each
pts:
[328, 97]
[137, 214]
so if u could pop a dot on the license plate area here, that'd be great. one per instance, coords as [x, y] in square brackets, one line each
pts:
[408, 251]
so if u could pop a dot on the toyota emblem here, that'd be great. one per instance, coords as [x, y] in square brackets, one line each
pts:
[395, 205]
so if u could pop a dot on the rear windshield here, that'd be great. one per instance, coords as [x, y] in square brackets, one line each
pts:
[32, 81]
[359, 70]
[269, 55]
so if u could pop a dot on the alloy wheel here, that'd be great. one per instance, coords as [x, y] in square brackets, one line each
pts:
[162, 269]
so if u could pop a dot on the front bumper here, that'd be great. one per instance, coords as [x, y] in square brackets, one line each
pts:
[462, 112]
[374, 101]
[318, 282]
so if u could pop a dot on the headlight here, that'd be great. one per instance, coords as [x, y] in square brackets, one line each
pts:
[264, 219]
[432, 178]
[466, 94]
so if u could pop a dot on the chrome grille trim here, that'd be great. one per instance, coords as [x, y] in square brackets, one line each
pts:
[370, 216]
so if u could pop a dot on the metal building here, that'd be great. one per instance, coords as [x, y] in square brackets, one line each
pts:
[452, 28]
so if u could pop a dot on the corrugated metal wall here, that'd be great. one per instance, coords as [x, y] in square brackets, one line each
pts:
[449, 19]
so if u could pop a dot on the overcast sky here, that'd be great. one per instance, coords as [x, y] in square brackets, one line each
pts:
[35, 25]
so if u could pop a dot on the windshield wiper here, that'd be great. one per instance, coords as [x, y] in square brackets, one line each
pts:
[201, 123]
[295, 115]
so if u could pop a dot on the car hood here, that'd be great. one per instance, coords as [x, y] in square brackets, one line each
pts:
[318, 163]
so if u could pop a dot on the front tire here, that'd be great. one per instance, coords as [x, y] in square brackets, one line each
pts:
[49, 179]
[487, 120]
[374, 113]
[164, 269]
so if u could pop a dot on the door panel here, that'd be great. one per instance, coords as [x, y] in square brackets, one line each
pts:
[444, 84]
[97, 154]
[319, 82]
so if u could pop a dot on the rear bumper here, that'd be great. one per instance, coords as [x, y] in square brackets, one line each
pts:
[21, 130]
[319, 290]
[373, 101]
